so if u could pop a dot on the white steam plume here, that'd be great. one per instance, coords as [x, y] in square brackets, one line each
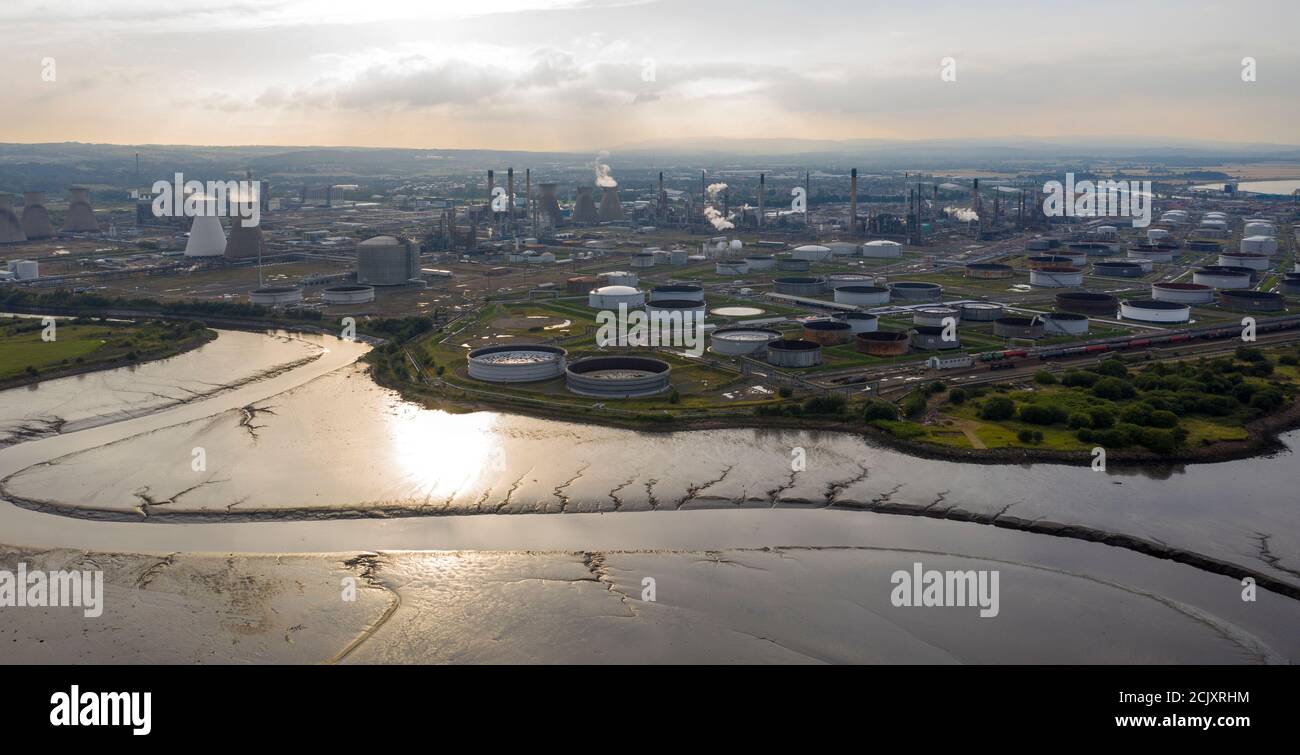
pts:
[963, 214]
[603, 178]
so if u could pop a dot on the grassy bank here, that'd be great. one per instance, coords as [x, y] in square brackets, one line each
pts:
[85, 344]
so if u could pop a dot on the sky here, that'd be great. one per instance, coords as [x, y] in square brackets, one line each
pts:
[582, 75]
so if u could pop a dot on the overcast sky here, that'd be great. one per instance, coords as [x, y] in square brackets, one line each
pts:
[571, 74]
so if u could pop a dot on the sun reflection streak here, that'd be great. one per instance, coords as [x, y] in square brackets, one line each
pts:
[442, 454]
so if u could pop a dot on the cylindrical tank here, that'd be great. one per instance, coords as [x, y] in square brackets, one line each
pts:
[1038, 262]
[1291, 284]
[862, 296]
[800, 286]
[1062, 276]
[276, 296]
[915, 291]
[730, 267]
[642, 260]
[1258, 228]
[1155, 235]
[581, 284]
[1184, 293]
[1118, 269]
[811, 252]
[610, 297]
[516, 363]
[386, 261]
[1157, 254]
[843, 249]
[1252, 301]
[1015, 326]
[790, 265]
[1087, 303]
[1266, 245]
[794, 353]
[1154, 310]
[979, 311]
[827, 332]
[757, 262]
[742, 341]
[988, 271]
[1222, 277]
[677, 291]
[1065, 324]
[678, 257]
[1094, 248]
[934, 315]
[883, 343]
[619, 278]
[354, 294]
[860, 322]
[1240, 259]
[882, 249]
[840, 280]
[617, 376]
[930, 338]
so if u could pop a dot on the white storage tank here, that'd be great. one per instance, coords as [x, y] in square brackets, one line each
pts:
[643, 259]
[1156, 235]
[862, 296]
[1064, 324]
[516, 363]
[1059, 276]
[1242, 259]
[731, 267]
[934, 315]
[1184, 293]
[811, 252]
[276, 296]
[843, 249]
[1259, 228]
[356, 294]
[758, 262]
[610, 297]
[882, 249]
[1154, 310]
[742, 341]
[1258, 245]
[619, 278]
[25, 270]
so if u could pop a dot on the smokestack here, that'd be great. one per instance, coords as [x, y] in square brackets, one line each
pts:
[610, 208]
[853, 202]
[726, 202]
[704, 193]
[663, 199]
[81, 218]
[585, 210]
[528, 196]
[549, 206]
[762, 196]
[510, 194]
[36, 219]
[11, 228]
[492, 184]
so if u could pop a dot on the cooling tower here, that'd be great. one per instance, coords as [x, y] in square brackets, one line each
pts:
[549, 205]
[610, 209]
[585, 212]
[81, 218]
[207, 238]
[11, 230]
[244, 243]
[36, 220]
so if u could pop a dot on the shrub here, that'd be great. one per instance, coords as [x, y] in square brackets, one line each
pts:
[1114, 389]
[1102, 419]
[1079, 420]
[1266, 399]
[879, 410]
[1112, 368]
[832, 404]
[998, 408]
[674, 397]
[1078, 379]
[914, 405]
[1043, 377]
[1248, 354]
[957, 396]
[1038, 414]
[785, 391]
[1030, 436]
[1291, 360]
[1163, 419]
[936, 387]
[1243, 391]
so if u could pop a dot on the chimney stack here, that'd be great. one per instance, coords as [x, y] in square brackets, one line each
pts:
[853, 203]
[510, 195]
[663, 199]
[762, 196]
[528, 196]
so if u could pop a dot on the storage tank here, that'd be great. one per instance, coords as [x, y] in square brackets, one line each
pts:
[1062, 276]
[742, 341]
[1087, 303]
[1065, 324]
[617, 376]
[862, 296]
[1118, 269]
[1240, 259]
[934, 315]
[827, 332]
[811, 252]
[643, 260]
[276, 296]
[860, 322]
[1041, 261]
[1038, 244]
[800, 286]
[1094, 248]
[1015, 326]
[25, 270]
[1258, 228]
[988, 271]
[915, 291]
[619, 278]
[840, 280]
[1155, 311]
[979, 311]
[930, 338]
[1222, 277]
[353, 294]
[581, 284]
[1291, 284]
[882, 249]
[386, 261]
[758, 262]
[1251, 301]
[677, 291]
[1183, 293]
[1156, 235]
[610, 297]
[883, 343]
[1155, 254]
[1266, 245]
[843, 249]
[794, 353]
[731, 267]
[517, 363]
[790, 265]
[678, 257]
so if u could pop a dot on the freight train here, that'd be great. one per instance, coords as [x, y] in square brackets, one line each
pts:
[1206, 333]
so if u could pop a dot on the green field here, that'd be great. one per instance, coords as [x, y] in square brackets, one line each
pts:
[84, 343]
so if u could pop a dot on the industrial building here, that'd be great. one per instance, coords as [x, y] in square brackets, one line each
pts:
[387, 261]
[794, 353]
[617, 376]
[517, 363]
[24, 270]
[585, 210]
